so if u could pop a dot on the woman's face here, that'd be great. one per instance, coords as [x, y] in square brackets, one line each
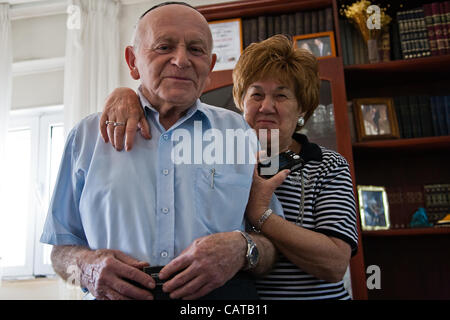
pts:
[270, 105]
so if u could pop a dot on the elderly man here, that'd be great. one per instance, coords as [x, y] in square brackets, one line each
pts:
[111, 223]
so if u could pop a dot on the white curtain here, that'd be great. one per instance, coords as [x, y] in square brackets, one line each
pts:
[5, 90]
[92, 57]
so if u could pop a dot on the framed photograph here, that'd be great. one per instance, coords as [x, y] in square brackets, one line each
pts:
[320, 44]
[373, 208]
[227, 39]
[375, 119]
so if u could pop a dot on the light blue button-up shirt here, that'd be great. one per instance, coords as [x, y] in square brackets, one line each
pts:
[144, 202]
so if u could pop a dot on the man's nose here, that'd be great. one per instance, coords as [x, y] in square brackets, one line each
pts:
[180, 58]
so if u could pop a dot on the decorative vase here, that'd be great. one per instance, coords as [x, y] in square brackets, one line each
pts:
[372, 47]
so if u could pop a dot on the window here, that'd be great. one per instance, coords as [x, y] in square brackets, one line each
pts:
[34, 148]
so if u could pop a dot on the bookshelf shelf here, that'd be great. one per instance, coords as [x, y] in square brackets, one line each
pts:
[388, 78]
[407, 232]
[415, 144]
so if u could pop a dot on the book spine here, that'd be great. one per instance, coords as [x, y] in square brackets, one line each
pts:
[343, 41]
[435, 116]
[395, 200]
[445, 35]
[442, 116]
[284, 24]
[446, 25]
[291, 24]
[430, 29]
[396, 52]
[299, 23]
[398, 113]
[423, 33]
[321, 21]
[246, 31]
[406, 120]
[277, 24]
[329, 19]
[349, 42]
[415, 117]
[425, 116]
[447, 111]
[314, 21]
[262, 28]
[307, 25]
[436, 11]
[401, 19]
[270, 26]
[253, 30]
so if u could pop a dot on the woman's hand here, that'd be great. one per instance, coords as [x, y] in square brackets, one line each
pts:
[123, 106]
[261, 194]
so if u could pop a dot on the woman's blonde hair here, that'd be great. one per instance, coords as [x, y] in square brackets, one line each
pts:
[276, 58]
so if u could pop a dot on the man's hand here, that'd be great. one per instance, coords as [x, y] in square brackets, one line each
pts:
[123, 106]
[208, 263]
[106, 274]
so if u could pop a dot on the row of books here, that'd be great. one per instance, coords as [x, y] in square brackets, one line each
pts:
[404, 201]
[437, 201]
[415, 33]
[256, 29]
[422, 116]
[425, 30]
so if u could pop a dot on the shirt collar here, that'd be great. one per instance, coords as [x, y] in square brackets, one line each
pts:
[197, 108]
[309, 151]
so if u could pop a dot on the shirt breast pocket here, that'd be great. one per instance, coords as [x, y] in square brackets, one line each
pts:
[221, 198]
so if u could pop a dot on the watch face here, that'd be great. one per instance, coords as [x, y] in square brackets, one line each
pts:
[253, 256]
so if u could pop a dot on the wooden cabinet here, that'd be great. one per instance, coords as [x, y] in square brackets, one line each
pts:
[414, 263]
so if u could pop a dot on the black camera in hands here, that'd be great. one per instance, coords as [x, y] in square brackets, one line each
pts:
[286, 160]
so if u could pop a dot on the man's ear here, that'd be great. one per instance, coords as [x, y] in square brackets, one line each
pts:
[130, 57]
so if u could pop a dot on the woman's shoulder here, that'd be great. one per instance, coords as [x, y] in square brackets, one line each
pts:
[331, 157]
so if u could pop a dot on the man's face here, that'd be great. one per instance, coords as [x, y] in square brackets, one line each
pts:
[173, 56]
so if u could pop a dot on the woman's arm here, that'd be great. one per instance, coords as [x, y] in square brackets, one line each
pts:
[323, 256]
[123, 106]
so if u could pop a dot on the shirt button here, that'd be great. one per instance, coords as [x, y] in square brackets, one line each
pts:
[164, 254]
[165, 210]
[165, 172]
[166, 137]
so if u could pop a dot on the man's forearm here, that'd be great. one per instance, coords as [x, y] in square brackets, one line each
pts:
[268, 254]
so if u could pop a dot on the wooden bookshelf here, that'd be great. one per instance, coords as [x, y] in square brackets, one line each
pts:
[414, 144]
[388, 78]
[407, 232]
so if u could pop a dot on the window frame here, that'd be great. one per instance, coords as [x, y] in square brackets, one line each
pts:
[39, 120]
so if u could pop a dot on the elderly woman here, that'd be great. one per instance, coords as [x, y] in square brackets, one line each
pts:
[277, 87]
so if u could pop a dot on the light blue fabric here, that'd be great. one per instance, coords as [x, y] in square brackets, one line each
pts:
[141, 202]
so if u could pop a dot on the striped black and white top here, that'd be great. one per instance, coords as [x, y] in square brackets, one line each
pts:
[329, 208]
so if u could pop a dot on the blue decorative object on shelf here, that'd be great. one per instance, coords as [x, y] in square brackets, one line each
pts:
[420, 219]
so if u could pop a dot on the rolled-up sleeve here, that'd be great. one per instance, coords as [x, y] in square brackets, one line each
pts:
[63, 225]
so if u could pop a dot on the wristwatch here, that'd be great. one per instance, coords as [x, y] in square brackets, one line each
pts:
[252, 252]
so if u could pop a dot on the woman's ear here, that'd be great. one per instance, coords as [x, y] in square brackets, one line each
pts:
[130, 57]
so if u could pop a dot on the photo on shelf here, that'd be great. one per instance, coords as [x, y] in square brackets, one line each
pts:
[373, 208]
[375, 119]
[320, 44]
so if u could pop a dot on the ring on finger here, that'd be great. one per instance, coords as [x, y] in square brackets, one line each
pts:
[107, 122]
[116, 124]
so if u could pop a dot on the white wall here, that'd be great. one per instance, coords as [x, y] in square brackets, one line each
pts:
[44, 37]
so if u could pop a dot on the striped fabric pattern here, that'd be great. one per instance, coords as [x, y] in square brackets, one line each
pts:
[329, 209]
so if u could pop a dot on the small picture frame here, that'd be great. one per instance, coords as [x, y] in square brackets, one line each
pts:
[228, 43]
[373, 208]
[320, 44]
[375, 119]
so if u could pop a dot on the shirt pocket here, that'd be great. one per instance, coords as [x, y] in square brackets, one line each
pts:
[221, 198]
